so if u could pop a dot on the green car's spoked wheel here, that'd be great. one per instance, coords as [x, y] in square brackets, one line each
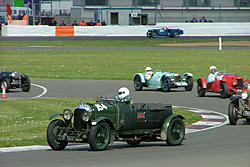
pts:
[54, 129]
[99, 136]
[176, 132]
[56, 132]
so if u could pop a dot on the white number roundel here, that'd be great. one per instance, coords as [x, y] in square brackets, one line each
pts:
[101, 107]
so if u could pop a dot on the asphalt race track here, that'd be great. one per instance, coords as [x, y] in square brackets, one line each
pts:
[225, 146]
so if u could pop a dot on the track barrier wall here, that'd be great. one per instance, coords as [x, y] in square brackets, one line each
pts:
[28, 31]
[64, 31]
[190, 29]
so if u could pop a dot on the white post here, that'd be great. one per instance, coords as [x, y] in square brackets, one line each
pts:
[33, 12]
[28, 12]
[220, 44]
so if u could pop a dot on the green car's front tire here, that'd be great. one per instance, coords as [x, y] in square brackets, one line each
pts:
[176, 132]
[54, 128]
[99, 136]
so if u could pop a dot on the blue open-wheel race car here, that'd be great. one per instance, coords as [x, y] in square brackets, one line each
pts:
[163, 80]
[172, 33]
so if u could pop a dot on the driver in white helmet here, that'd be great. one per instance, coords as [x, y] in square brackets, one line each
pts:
[123, 95]
[149, 74]
[212, 75]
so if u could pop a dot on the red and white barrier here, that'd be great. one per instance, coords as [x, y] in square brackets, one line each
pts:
[27, 30]
[190, 29]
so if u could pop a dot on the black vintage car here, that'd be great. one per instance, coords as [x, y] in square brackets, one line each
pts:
[239, 106]
[109, 120]
[13, 80]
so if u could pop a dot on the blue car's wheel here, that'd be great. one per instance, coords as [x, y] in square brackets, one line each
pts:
[176, 34]
[137, 83]
[149, 34]
[154, 34]
[165, 84]
[189, 81]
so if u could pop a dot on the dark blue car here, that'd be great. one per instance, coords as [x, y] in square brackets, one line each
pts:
[172, 33]
[13, 80]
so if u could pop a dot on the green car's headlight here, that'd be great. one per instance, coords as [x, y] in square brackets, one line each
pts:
[86, 111]
[86, 116]
[67, 114]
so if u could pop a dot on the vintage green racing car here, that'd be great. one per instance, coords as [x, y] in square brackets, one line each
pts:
[111, 119]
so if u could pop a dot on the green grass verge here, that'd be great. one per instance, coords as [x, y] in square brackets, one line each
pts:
[190, 117]
[113, 43]
[24, 121]
[121, 64]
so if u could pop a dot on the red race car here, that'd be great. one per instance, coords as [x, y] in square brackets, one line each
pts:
[225, 83]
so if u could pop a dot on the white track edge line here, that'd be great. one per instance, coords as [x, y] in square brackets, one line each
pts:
[43, 93]
[216, 126]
